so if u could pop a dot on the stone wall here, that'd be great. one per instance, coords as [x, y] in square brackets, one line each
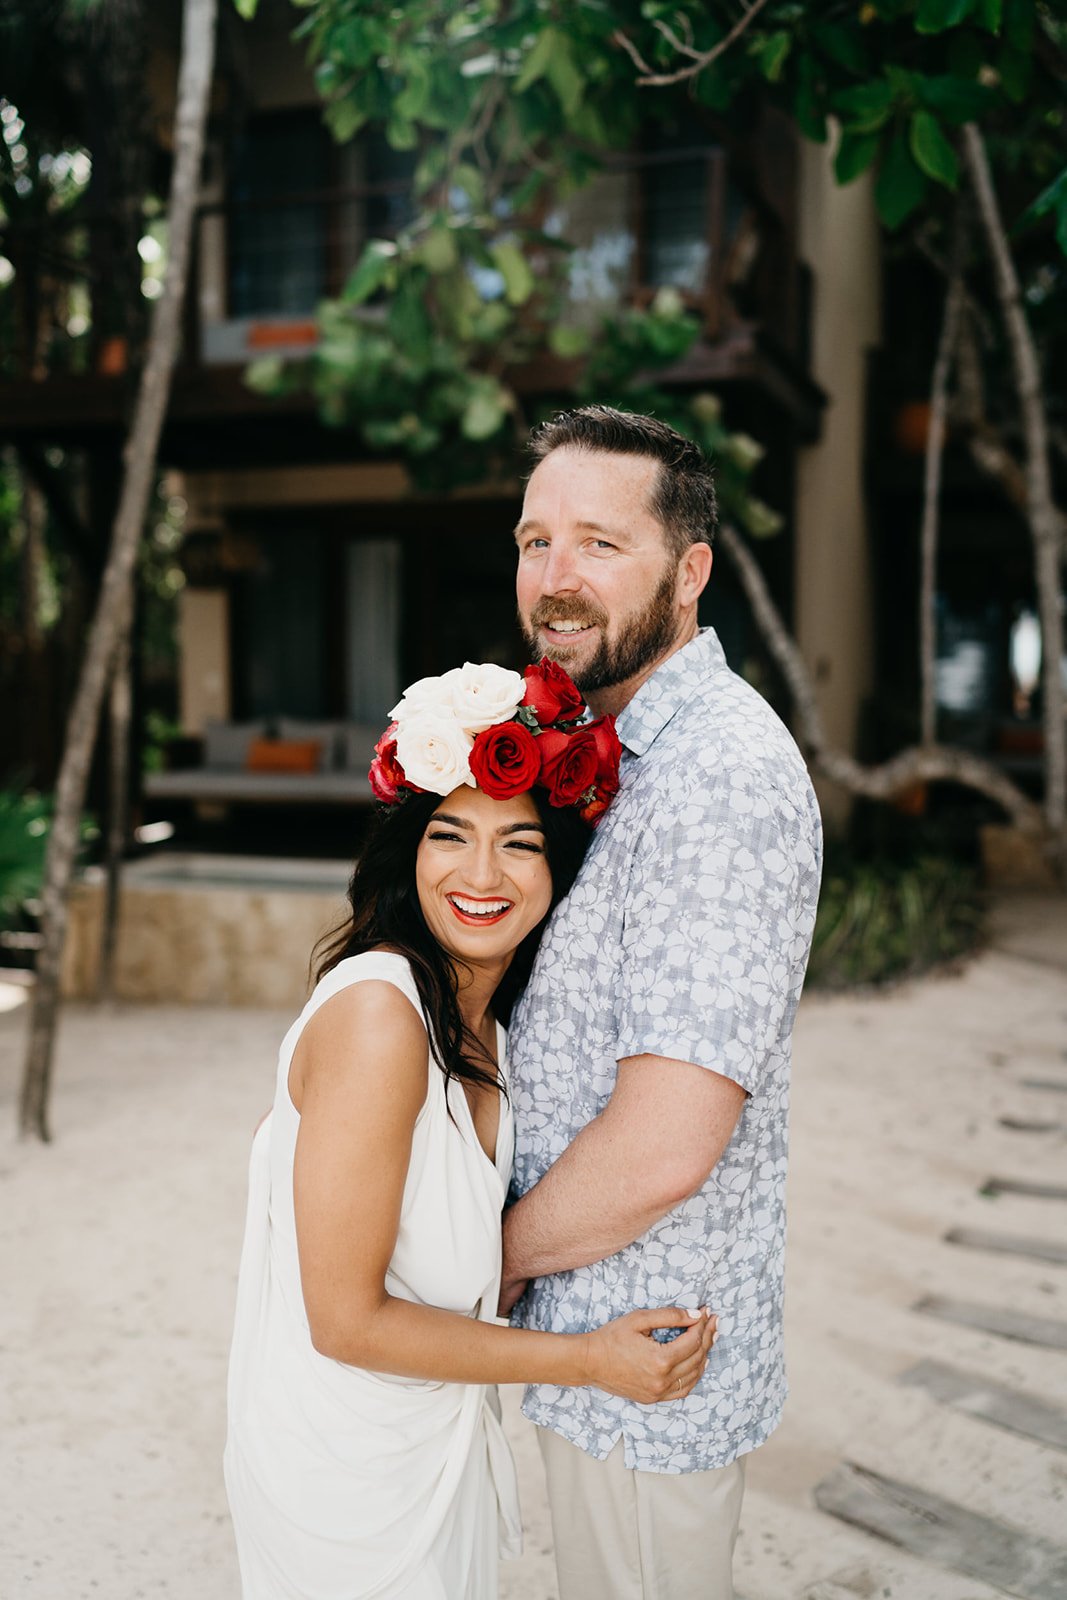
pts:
[202, 943]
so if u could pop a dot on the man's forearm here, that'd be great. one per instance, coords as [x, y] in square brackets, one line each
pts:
[653, 1145]
[583, 1209]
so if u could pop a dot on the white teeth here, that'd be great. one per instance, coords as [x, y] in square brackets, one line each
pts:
[472, 908]
[568, 627]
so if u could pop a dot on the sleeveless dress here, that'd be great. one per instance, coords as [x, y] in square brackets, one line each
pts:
[346, 1484]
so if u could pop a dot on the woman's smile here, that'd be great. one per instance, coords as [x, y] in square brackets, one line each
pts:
[470, 910]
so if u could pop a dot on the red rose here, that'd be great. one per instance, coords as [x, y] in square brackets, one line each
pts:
[386, 774]
[505, 760]
[608, 752]
[568, 764]
[595, 809]
[551, 694]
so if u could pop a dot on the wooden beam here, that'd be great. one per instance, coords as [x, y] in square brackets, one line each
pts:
[1045, 1331]
[992, 1402]
[938, 1530]
[1010, 1244]
[1024, 1186]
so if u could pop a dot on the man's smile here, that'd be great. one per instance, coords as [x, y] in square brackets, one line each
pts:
[563, 633]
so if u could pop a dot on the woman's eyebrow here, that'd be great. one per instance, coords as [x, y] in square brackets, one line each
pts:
[509, 827]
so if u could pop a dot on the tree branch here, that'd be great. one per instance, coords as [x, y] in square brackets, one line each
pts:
[935, 448]
[1045, 519]
[675, 43]
[620, 38]
[651, 79]
[920, 764]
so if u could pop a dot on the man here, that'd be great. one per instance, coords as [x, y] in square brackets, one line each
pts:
[650, 1053]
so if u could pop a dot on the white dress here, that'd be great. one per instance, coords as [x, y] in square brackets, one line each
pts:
[346, 1484]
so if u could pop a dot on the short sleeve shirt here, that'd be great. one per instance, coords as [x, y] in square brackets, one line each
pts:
[685, 935]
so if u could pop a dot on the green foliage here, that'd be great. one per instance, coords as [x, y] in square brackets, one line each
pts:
[24, 824]
[495, 89]
[931, 151]
[509, 109]
[879, 921]
[159, 732]
[900, 75]
[10, 540]
[1051, 200]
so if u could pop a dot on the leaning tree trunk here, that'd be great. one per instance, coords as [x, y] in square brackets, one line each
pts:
[935, 448]
[120, 709]
[194, 84]
[932, 763]
[1041, 508]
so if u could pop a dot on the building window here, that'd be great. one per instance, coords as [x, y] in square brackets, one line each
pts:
[301, 209]
[277, 226]
[677, 225]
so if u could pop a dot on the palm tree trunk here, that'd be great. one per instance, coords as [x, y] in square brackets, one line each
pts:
[194, 85]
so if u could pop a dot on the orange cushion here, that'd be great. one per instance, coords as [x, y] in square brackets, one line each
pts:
[284, 755]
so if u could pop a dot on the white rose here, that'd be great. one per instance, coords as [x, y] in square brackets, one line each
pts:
[433, 752]
[433, 695]
[484, 695]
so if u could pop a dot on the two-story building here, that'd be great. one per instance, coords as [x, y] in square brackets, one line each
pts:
[318, 582]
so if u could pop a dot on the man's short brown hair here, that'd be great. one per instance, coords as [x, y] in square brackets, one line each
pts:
[683, 498]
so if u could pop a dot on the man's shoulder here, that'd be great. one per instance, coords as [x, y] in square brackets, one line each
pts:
[723, 736]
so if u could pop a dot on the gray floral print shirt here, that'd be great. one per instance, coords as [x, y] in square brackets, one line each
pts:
[686, 935]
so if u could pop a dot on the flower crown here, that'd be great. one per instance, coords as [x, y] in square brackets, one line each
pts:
[501, 732]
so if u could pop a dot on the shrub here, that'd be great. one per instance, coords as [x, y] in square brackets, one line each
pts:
[24, 821]
[882, 920]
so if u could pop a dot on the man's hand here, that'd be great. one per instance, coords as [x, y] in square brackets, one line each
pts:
[654, 1144]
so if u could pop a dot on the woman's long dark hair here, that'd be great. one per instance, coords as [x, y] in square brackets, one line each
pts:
[385, 910]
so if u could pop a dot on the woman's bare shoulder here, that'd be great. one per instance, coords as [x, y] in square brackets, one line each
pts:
[369, 1032]
[370, 1003]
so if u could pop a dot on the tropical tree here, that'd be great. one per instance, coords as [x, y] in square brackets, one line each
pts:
[505, 108]
[110, 622]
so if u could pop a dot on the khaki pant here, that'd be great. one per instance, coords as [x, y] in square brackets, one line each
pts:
[621, 1534]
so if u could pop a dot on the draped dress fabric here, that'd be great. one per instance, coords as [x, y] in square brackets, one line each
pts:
[346, 1484]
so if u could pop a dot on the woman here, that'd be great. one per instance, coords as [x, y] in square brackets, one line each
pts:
[364, 1459]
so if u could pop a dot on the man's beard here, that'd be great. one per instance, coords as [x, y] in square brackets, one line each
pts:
[644, 636]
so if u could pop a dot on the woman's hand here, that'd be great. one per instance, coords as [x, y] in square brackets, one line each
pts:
[624, 1359]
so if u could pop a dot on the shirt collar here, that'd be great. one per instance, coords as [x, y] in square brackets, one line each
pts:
[652, 707]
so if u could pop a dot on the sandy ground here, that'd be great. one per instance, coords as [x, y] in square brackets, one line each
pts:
[119, 1242]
